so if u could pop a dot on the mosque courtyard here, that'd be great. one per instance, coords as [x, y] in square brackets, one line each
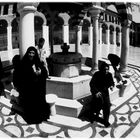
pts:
[125, 109]
[124, 119]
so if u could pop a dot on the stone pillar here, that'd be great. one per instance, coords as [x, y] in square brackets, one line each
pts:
[125, 46]
[90, 34]
[79, 39]
[66, 34]
[26, 30]
[95, 11]
[46, 37]
[2, 9]
[108, 41]
[9, 41]
[66, 18]
[100, 38]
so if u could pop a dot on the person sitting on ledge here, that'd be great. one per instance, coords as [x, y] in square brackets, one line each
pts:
[115, 61]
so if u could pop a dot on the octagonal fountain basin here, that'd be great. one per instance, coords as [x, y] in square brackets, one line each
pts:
[66, 64]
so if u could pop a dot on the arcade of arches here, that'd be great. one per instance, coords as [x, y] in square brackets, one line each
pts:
[82, 24]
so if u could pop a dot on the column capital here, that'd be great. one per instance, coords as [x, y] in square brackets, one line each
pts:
[10, 19]
[95, 10]
[25, 7]
[65, 17]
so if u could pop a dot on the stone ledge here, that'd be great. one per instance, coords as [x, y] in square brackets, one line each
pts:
[69, 88]
[68, 107]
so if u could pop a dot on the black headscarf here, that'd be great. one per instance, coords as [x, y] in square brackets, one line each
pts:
[35, 60]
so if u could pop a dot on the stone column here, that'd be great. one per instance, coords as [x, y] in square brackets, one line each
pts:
[66, 34]
[108, 41]
[79, 38]
[9, 41]
[45, 35]
[95, 11]
[90, 34]
[125, 46]
[2, 9]
[100, 38]
[66, 18]
[26, 30]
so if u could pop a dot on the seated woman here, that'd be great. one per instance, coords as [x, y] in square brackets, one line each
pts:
[30, 81]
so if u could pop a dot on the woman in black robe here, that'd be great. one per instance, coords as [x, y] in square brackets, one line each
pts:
[32, 88]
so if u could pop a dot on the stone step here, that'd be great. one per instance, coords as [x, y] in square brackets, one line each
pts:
[69, 88]
[68, 107]
[69, 122]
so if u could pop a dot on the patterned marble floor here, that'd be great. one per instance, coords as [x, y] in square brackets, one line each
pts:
[124, 119]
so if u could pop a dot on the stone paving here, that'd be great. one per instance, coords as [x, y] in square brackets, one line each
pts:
[124, 119]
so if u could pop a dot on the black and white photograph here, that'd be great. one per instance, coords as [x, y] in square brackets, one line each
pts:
[69, 69]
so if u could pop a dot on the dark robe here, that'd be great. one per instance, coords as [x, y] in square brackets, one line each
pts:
[32, 91]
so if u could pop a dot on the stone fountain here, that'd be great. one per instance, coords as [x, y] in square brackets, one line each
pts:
[66, 81]
[66, 64]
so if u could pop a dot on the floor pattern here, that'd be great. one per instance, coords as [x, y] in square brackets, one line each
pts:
[123, 119]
